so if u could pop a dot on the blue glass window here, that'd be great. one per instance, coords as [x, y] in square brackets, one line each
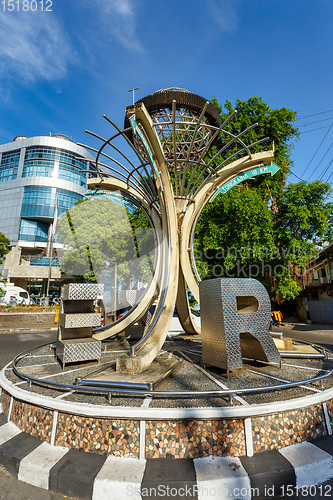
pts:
[39, 152]
[39, 161]
[40, 201]
[66, 200]
[71, 168]
[31, 230]
[9, 165]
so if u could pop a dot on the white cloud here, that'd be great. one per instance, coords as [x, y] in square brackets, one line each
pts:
[224, 14]
[119, 18]
[33, 45]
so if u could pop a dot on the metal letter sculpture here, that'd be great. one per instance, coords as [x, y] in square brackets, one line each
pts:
[235, 313]
[170, 133]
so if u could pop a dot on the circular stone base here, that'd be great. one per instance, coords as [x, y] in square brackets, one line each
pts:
[181, 427]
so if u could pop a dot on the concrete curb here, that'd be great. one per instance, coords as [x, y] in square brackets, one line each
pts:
[28, 330]
[89, 476]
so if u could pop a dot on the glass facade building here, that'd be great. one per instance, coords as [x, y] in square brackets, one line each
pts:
[34, 172]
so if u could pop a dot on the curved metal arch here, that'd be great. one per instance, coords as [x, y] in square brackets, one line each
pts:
[221, 165]
[175, 271]
[149, 346]
[206, 191]
[149, 191]
[149, 295]
[207, 166]
[124, 133]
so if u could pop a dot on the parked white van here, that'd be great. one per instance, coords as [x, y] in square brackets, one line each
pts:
[13, 295]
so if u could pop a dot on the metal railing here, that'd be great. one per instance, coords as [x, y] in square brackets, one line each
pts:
[107, 388]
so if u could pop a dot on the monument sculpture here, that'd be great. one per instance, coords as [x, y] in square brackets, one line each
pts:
[171, 132]
[222, 390]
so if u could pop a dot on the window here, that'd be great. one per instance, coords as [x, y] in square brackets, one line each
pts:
[72, 174]
[31, 230]
[71, 168]
[9, 165]
[67, 199]
[39, 162]
[39, 201]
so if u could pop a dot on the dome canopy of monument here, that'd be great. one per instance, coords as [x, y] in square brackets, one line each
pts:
[163, 98]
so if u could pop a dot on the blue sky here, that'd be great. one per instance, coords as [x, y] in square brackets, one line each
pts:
[60, 70]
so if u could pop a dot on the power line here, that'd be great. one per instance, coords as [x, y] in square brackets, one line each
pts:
[326, 169]
[292, 173]
[320, 161]
[313, 130]
[329, 177]
[317, 121]
[315, 114]
[317, 149]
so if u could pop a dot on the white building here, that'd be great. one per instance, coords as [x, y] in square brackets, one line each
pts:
[34, 172]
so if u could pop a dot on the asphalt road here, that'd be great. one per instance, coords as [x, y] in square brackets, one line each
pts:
[10, 345]
[14, 343]
[317, 334]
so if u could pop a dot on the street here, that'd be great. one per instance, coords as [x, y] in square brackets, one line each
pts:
[10, 345]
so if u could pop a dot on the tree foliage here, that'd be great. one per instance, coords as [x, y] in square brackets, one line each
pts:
[99, 231]
[4, 247]
[264, 228]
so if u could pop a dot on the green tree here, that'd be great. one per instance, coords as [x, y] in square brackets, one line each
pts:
[4, 247]
[263, 228]
[99, 231]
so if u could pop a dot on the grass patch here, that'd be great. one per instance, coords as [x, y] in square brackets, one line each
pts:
[35, 308]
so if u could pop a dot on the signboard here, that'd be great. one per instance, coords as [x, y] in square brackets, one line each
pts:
[272, 169]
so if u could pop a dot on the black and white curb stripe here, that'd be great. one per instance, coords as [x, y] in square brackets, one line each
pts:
[91, 476]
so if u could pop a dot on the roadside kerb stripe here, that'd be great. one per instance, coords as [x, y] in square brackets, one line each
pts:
[309, 462]
[221, 477]
[35, 467]
[119, 478]
[268, 469]
[15, 449]
[89, 476]
[8, 431]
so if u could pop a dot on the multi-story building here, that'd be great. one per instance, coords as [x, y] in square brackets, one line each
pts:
[319, 288]
[34, 173]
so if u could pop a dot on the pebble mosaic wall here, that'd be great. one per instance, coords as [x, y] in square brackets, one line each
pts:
[5, 401]
[33, 420]
[287, 428]
[98, 435]
[195, 438]
[164, 438]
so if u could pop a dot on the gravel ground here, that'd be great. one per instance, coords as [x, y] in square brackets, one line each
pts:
[43, 364]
